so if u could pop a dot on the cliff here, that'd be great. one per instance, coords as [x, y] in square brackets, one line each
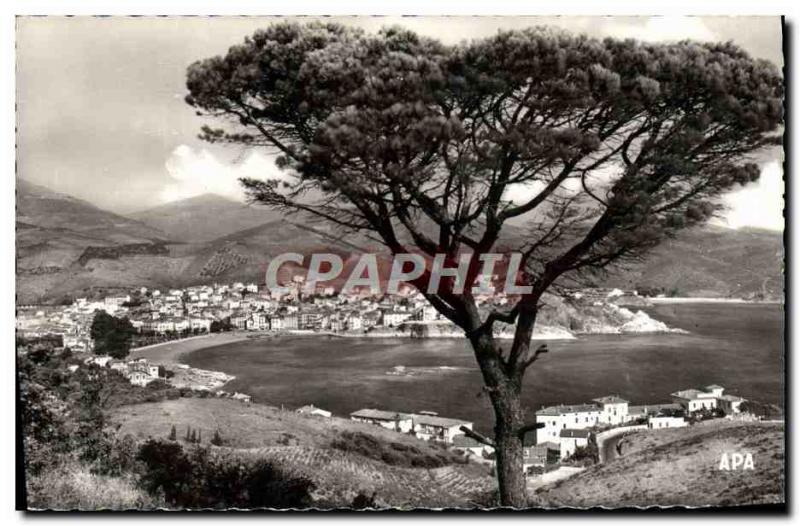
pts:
[558, 319]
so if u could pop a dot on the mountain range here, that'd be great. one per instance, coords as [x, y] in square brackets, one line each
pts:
[68, 247]
[188, 219]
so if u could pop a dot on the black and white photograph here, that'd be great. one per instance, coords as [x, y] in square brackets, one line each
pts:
[405, 263]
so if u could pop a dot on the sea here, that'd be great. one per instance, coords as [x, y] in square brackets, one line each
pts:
[739, 346]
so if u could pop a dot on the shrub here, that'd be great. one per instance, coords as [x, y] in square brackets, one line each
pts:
[585, 455]
[200, 479]
[393, 453]
[73, 486]
[362, 501]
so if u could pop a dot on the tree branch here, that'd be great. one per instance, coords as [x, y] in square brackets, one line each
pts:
[477, 436]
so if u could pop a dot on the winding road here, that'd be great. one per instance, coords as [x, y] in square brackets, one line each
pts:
[609, 450]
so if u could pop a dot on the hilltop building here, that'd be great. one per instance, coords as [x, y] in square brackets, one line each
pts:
[387, 419]
[556, 418]
[708, 398]
[437, 428]
[314, 411]
[615, 410]
[423, 426]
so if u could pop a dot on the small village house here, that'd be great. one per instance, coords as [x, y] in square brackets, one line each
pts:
[730, 404]
[387, 419]
[470, 446]
[571, 439]
[693, 400]
[314, 411]
[540, 455]
[664, 422]
[556, 418]
[615, 409]
[437, 428]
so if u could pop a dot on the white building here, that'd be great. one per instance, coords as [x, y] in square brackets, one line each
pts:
[393, 318]
[276, 323]
[200, 324]
[355, 322]
[429, 313]
[698, 399]
[116, 301]
[314, 411]
[102, 361]
[540, 455]
[388, 419]
[571, 439]
[437, 428]
[471, 446]
[615, 410]
[664, 422]
[556, 418]
[730, 404]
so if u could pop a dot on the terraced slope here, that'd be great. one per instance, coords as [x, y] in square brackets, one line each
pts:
[302, 444]
[340, 476]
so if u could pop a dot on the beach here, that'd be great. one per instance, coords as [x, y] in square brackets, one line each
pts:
[170, 353]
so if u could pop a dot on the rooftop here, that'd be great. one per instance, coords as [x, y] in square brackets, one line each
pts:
[377, 414]
[308, 408]
[651, 409]
[556, 410]
[574, 433]
[731, 398]
[613, 399]
[438, 421]
[546, 445]
[690, 394]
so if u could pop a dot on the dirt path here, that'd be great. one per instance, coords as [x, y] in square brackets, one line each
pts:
[611, 448]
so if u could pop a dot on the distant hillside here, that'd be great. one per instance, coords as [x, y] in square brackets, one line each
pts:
[68, 247]
[680, 467]
[54, 231]
[244, 255]
[204, 217]
[711, 262]
[41, 207]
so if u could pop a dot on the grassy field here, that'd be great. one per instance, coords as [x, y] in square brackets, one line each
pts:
[303, 444]
[680, 467]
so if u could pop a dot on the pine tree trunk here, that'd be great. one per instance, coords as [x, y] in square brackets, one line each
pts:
[504, 392]
[508, 451]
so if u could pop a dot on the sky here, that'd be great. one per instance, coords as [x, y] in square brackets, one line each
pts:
[101, 116]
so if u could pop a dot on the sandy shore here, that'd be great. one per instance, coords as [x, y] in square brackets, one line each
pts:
[171, 352]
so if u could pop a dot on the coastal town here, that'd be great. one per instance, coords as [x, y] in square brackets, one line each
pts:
[563, 433]
[180, 312]
[165, 315]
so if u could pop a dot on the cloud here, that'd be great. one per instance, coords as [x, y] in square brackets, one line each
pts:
[668, 28]
[759, 204]
[597, 181]
[195, 172]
